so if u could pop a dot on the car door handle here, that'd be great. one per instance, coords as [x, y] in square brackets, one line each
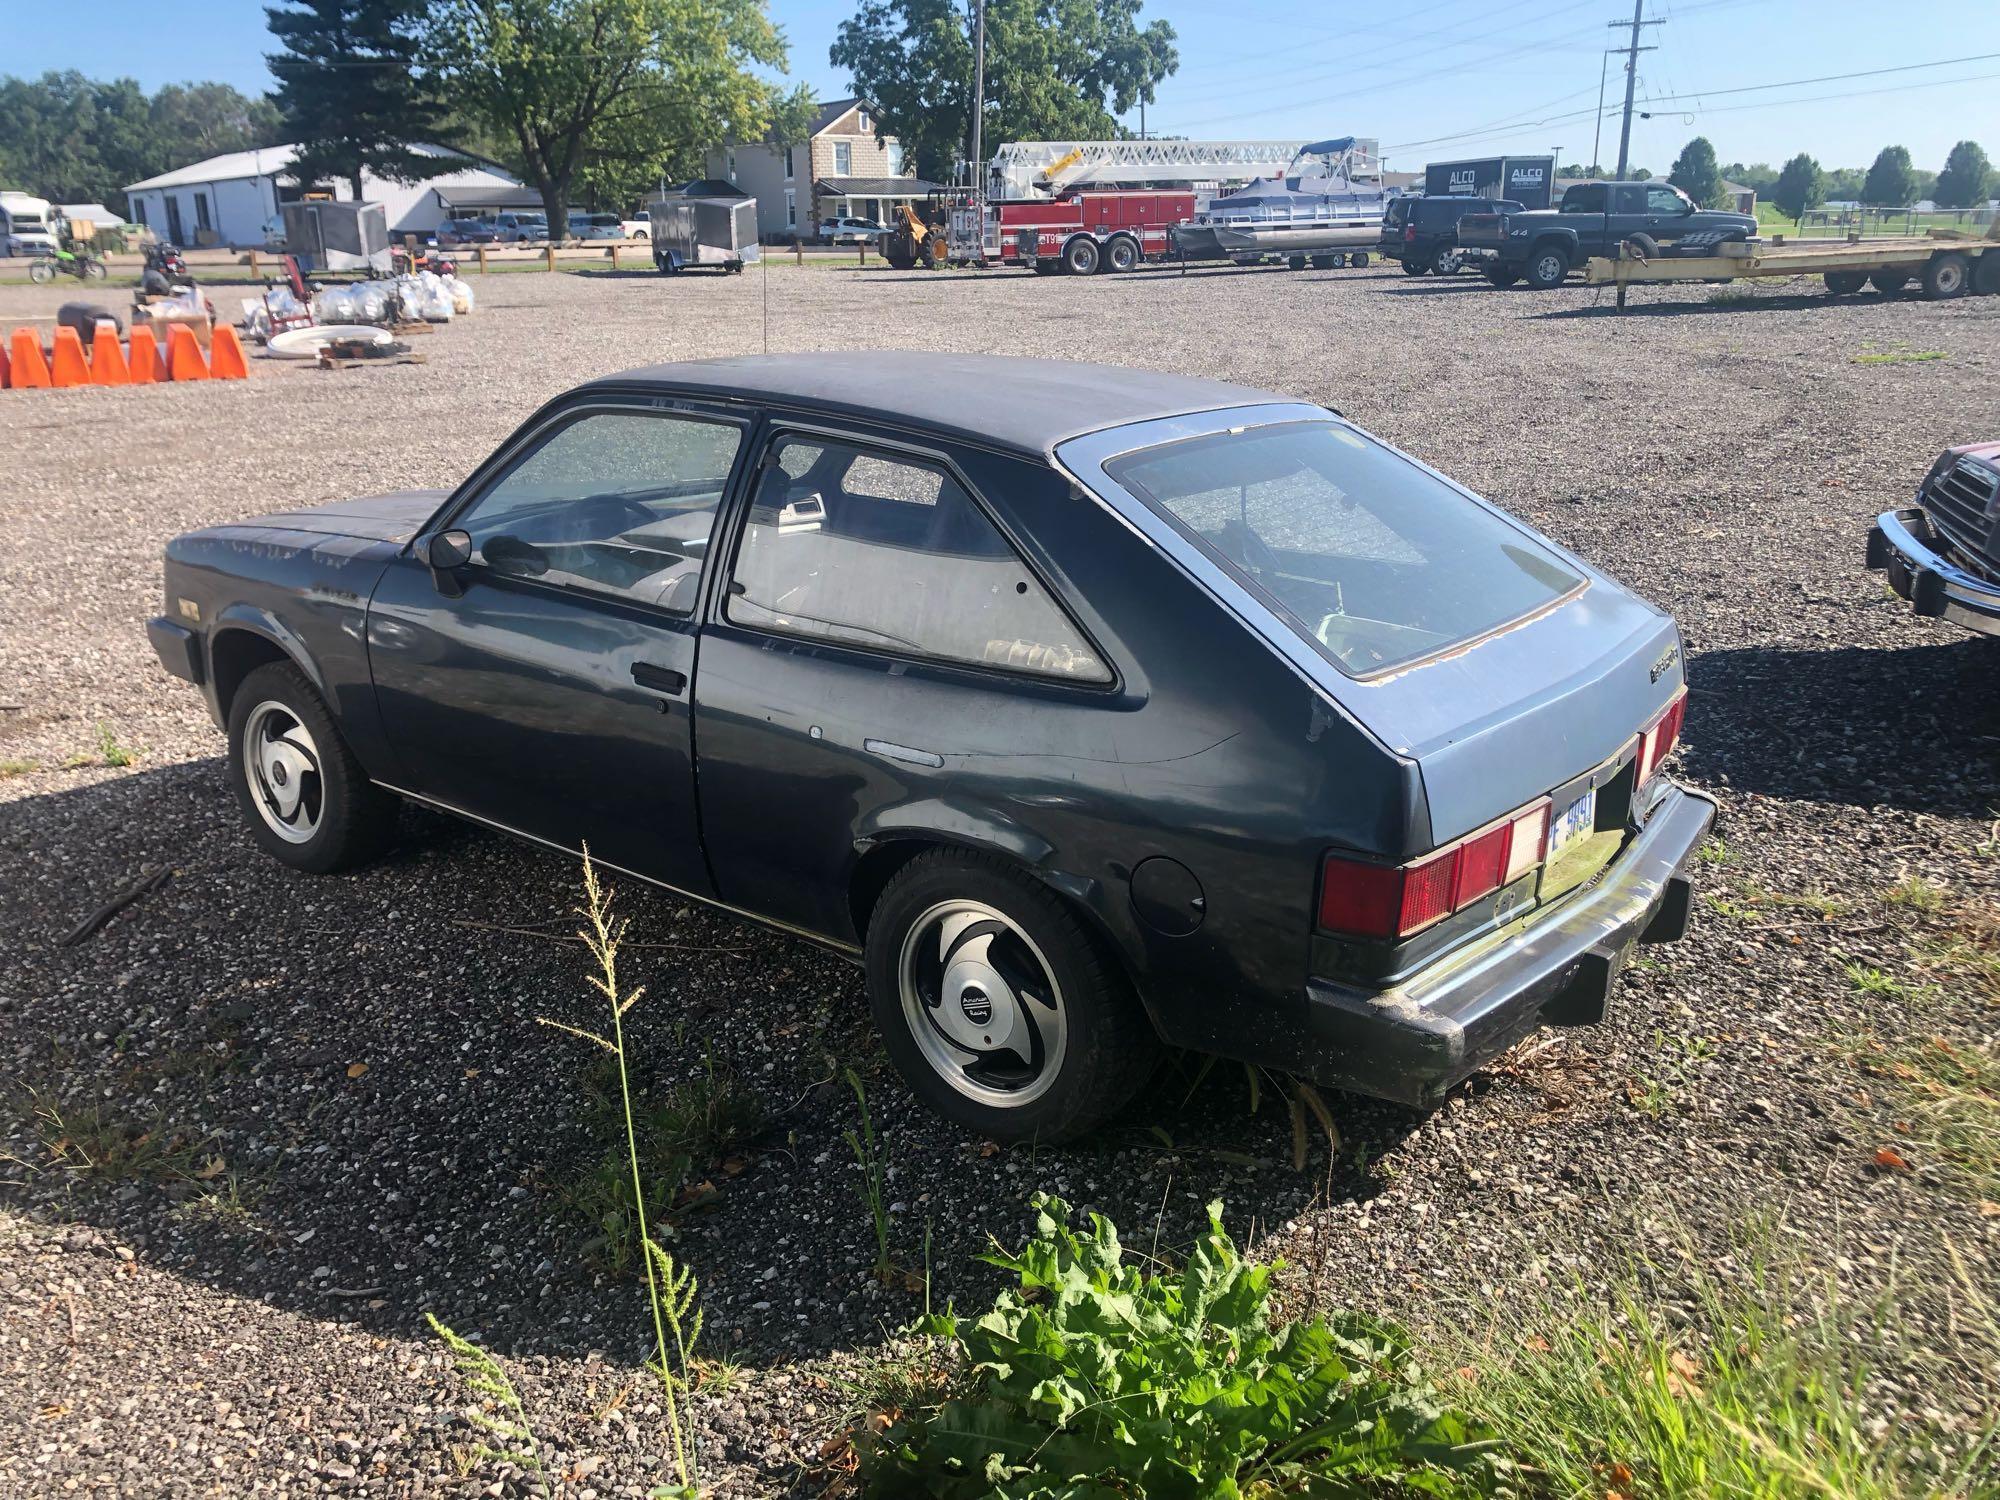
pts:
[660, 679]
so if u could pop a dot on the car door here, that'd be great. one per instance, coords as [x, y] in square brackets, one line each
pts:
[1668, 214]
[545, 686]
[881, 652]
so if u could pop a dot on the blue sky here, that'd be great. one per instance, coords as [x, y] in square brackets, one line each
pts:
[1437, 79]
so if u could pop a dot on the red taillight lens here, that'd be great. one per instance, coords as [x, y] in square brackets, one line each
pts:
[1657, 743]
[1409, 233]
[1396, 901]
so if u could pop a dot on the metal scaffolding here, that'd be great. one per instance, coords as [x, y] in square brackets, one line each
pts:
[1027, 169]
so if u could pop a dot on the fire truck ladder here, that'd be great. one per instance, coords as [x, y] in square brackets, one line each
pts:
[1025, 169]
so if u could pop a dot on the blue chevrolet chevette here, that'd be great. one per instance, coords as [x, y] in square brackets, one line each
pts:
[1089, 709]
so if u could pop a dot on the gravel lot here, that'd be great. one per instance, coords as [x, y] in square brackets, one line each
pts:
[392, 1125]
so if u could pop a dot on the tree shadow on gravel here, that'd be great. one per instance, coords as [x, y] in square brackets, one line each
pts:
[1915, 728]
[348, 1109]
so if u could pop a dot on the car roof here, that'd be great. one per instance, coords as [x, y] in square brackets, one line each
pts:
[1026, 404]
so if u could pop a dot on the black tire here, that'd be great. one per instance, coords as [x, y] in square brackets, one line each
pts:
[1445, 260]
[1358, 260]
[1644, 245]
[1547, 266]
[1947, 276]
[1501, 276]
[1320, 262]
[1845, 283]
[1889, 283]
[1295, 263]
[1109, 1048]
[1986, 274]
[1121, 253]
[356, 820]
[1415, 268]
[1080, 256]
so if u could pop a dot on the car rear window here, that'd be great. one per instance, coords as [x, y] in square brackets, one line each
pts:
[1374, 561]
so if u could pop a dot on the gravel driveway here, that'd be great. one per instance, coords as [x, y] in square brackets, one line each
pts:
[335, 1112]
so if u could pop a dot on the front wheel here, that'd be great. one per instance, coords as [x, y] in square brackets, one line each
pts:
[1547, 267]
[1845, 283]
[42, 272]
[307, 800]
[1000, 1009]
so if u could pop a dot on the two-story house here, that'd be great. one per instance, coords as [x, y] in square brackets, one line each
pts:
[840, 170]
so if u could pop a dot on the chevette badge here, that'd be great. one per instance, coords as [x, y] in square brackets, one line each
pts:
[1666, 662]
[977, 1006]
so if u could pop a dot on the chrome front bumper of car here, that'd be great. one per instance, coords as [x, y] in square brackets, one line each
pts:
[1413, 1041]
[1902, 543]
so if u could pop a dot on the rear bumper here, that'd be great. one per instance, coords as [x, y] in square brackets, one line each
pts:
[1902, 544]
[1412, 1042]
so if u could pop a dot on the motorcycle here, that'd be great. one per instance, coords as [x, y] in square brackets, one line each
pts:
[427, 258]
[81, 264]
[166, 268]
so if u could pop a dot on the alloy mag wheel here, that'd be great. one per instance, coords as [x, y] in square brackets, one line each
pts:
[982, 1003]
[281, 763]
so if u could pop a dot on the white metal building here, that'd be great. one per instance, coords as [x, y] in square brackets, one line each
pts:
[227, 200]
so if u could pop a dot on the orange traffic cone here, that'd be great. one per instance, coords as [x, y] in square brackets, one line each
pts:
[225, 355]
[184, 357]
[147, 364]
[107, 357]
[31, 370]
[68, 367]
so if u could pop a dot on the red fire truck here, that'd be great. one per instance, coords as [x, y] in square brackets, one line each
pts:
[1085, 231]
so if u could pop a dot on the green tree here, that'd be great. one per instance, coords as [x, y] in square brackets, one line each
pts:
[584, 84]
[349, 98]
[1696, 173]
[1843, 184]
[1891, 180]
[1055, 70]
[1800, 186]
[1964, 181]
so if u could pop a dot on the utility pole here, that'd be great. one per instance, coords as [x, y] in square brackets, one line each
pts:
[979, 116]
[1631, 51]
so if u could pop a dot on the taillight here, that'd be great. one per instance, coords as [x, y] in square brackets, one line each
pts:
[1660, 737]
[1395, 901]
[1409, 234]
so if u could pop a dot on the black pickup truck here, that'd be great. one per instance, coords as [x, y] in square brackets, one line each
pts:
[1541, 246]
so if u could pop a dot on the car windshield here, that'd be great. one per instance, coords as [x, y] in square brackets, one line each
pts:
[1369, 557]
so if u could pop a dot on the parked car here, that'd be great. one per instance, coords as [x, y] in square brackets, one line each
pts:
[1543, 245]
[465, 232]
[520, 229]
[1943, 553]
[1084, 707]
[850, 231]
[1422, 233]
[596, 227]
[636, 229]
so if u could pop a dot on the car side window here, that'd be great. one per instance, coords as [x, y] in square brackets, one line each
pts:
[1664, 200]
[622, 502]
[872, 550]
[1587, 198]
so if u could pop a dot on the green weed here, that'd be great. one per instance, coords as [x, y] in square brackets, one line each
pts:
[93, 1139]
[868, 1157]
[499, 1411]
[1901, 357]
[1090, 1378]
[9, 769]
[1916, 893]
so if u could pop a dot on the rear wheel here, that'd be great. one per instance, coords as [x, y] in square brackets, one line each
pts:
[1547, 267]
[1446, 260]
[1889, 283]
[1322, 262]
[1946, 276]
[1121, 254]
[1415, 268]
[1358, 260]
[998, 1006]
[1845, 283]
[1295, 263]
[307, 799]
[1080, 256]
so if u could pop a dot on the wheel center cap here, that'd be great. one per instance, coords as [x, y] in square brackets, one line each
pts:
[279, 776]
[976, 1004]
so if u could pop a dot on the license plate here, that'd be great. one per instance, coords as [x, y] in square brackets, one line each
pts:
[1574, 822]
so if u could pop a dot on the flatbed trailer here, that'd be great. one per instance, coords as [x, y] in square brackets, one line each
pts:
[1947, 262]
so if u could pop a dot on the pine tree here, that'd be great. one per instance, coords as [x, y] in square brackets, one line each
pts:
[1695, 172]
[348, 94]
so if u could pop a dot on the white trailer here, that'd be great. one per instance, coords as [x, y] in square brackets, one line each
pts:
[27, 225]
